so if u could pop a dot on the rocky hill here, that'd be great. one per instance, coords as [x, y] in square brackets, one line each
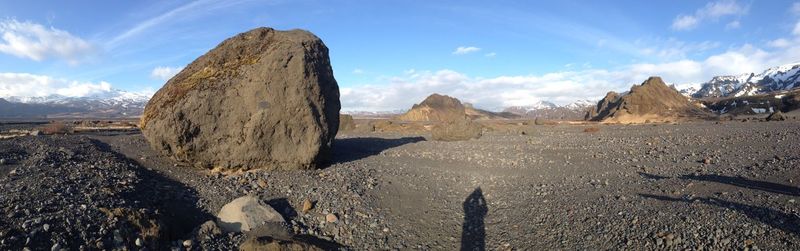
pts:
[652, 101]
[437, 107]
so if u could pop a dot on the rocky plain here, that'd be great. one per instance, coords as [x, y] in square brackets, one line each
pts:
[694, 185]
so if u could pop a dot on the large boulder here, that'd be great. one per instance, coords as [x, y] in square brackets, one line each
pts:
[463, 129]
[261, 99]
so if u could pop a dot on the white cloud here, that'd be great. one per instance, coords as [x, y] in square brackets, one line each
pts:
[684, 23]
[795, 9]
[733, 25]
[490, 54]
[36, 42]
[165, 72]
[779, 43]
[30, 85]
[461, 50]
[358, 71]
[796, 30]
[671, 49]
[400, 92]
[711, 11]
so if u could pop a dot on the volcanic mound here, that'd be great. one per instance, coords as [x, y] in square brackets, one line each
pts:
[441, 108]
[652, 101]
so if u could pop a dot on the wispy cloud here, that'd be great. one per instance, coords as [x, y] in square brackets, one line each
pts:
[795, 9]
[461, 50]
[490, 54]
[711, 11]
[735, 24]
[193, 8]
[37, 42]
[165, 72]
[358, 71]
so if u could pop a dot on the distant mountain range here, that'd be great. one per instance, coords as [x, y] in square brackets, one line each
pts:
[549, 110]
[779, 78]
[122, 104]
[110, 104]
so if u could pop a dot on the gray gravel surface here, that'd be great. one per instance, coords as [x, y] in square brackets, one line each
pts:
[687, 186]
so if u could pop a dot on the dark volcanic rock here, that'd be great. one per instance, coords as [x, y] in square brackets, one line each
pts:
[776, 116]
[458, 130]
[346, 123]
[653, 101]
[261, 99]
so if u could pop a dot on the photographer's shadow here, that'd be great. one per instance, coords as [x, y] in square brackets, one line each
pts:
[473, 232]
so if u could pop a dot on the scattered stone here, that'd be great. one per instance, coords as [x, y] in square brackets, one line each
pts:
[331, 218]
[307, 205]
[247, 213]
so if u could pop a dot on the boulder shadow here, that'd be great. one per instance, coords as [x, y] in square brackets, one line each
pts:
[175, 204]
[473, 231]
[283, 234]
[786, 222]
[283, 207]
[746, 183]
[352, 149]
[652, 176]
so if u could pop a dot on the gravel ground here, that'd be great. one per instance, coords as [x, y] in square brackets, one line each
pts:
[686, 186]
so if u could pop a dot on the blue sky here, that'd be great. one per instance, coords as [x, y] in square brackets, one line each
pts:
[390, 54]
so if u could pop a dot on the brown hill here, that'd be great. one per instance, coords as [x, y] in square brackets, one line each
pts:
[438, 107]
[652, 101]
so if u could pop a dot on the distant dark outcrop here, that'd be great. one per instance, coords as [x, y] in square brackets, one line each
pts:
[261, 99]
[652, 101]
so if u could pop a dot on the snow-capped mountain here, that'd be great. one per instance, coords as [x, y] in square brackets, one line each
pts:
[108, 104]
[373, 114]
[549, 110]
[779, 78]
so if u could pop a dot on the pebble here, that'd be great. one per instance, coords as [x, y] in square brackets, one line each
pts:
[187, 243]
[331, 218]
[3, 161]
[307, 206]
[139, 242]
[46, 227]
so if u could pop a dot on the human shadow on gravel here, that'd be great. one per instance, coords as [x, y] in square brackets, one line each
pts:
[747, 183]
[473, 232]
[352, 149]
[173, 203]
[788, 223]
